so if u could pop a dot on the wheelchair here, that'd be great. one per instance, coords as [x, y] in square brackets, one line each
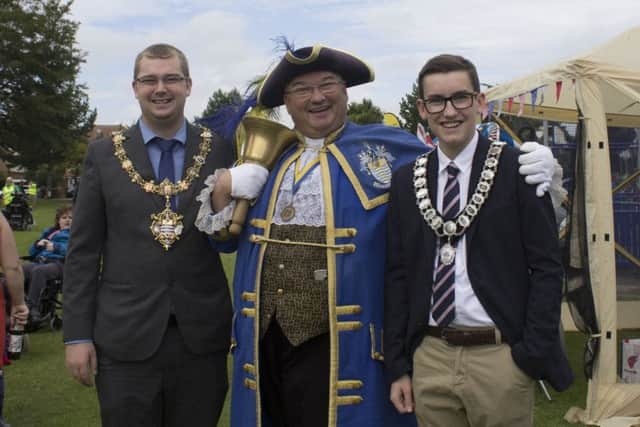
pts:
[18, 213]
[50, 305]
[49, 308]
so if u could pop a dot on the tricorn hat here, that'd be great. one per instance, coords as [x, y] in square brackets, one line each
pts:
[353, 70]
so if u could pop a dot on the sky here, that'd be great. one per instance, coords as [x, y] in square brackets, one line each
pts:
[230, 42]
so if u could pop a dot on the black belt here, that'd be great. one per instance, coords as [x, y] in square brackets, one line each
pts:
[465, 337]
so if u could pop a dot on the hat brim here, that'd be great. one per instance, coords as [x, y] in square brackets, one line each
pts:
[353, 70]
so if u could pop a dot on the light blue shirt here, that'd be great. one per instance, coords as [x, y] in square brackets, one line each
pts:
[154, 151]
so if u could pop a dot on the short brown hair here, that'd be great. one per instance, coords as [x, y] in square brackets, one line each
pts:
[62, 210]
[162, 51]
[447, 63]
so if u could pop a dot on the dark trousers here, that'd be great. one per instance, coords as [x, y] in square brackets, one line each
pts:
[36, 276]
[173, 388]
[294, 381]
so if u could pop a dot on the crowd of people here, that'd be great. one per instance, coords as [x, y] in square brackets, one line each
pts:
[375, 283]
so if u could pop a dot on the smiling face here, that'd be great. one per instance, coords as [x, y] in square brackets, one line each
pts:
[162, 104]
[317, 113]
[453, 127]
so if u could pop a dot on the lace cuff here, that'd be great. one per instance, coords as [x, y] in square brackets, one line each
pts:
[207, 220]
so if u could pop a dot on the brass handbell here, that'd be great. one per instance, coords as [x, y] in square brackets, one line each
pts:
[265, 141]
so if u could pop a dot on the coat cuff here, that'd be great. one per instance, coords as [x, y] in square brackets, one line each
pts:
[207, 220]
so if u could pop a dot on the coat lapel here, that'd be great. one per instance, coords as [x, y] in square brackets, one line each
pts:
[476, 167]
[137, 153]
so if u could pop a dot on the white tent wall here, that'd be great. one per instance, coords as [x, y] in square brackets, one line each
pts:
[604, 86]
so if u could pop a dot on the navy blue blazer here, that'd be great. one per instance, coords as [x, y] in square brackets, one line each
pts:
[513, 262]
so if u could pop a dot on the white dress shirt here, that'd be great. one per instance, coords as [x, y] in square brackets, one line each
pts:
[469, 311]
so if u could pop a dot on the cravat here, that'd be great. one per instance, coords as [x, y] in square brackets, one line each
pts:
[444, 305]
[165, 169]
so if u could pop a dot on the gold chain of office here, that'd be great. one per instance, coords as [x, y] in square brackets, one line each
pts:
[166, 226]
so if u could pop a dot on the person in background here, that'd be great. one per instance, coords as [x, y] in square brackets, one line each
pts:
[9, 189]
[32, 192]
[13, 280]
[47, 255]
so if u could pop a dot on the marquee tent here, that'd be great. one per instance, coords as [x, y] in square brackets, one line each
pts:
[595, 90]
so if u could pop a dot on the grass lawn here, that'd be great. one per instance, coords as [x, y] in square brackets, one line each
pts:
[40, 392]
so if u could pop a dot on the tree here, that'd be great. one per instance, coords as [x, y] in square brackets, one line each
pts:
[44, 111]
[364, 112]
[220, 99]
[409, 111]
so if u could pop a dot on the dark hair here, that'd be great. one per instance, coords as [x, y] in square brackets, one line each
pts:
[162, 51]
[447, 63]
[59, 212]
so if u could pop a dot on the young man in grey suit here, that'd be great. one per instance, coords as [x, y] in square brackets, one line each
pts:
[473, 281]
[146, 303]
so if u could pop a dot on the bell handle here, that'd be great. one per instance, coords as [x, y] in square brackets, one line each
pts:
[239, 217]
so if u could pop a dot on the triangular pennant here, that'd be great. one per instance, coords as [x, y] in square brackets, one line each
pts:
[509, 104]
[521, 101]
[492, 105]
[534, 95]
[558, 89]
[500, 103]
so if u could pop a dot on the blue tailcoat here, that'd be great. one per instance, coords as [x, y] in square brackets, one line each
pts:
[356, 172]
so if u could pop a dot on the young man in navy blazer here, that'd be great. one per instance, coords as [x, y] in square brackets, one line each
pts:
[474, 280]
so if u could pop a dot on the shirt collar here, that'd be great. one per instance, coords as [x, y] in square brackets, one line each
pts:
[148, 135]
[463, 160]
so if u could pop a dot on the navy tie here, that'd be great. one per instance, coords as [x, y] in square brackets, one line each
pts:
[166, 169]
[444, 305]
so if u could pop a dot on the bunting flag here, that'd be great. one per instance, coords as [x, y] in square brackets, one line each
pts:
[500, 103]
[541, 92]
[521, 102]
[509, 104]
[558, 89]
[534, 95]
[491, 107]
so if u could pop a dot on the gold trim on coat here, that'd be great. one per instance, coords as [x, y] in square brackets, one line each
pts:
[343, 310]
[349, 400]
[350, 384]
[367, 203]
[375, 354]
[267, 229]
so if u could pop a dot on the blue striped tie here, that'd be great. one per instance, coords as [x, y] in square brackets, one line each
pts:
[444, 306]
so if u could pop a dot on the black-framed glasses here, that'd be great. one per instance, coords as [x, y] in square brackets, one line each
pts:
[325, 88]
[460, 101]
[168, 80]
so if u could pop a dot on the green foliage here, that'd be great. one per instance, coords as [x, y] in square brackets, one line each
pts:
[364, 112]
[409, 111]
[220, 99]
[44, 111]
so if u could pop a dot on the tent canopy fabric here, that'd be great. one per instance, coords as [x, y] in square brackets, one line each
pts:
[600, 89]
[614, 66]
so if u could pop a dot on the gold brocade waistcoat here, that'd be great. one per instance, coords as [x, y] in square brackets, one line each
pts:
[294, 284]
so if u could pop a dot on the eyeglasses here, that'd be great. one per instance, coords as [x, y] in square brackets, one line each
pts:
[168, 80]
[325, 88]
[460, 101]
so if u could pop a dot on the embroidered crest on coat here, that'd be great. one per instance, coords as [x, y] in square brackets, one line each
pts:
[376, 161]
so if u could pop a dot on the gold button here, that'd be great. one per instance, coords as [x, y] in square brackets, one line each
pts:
[280, 291]
[281, 266]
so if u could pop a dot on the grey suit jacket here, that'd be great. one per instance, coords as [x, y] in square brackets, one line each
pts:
[120, 285]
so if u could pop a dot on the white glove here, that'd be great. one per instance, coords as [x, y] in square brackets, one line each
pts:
[538, 165]
[247, 180]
